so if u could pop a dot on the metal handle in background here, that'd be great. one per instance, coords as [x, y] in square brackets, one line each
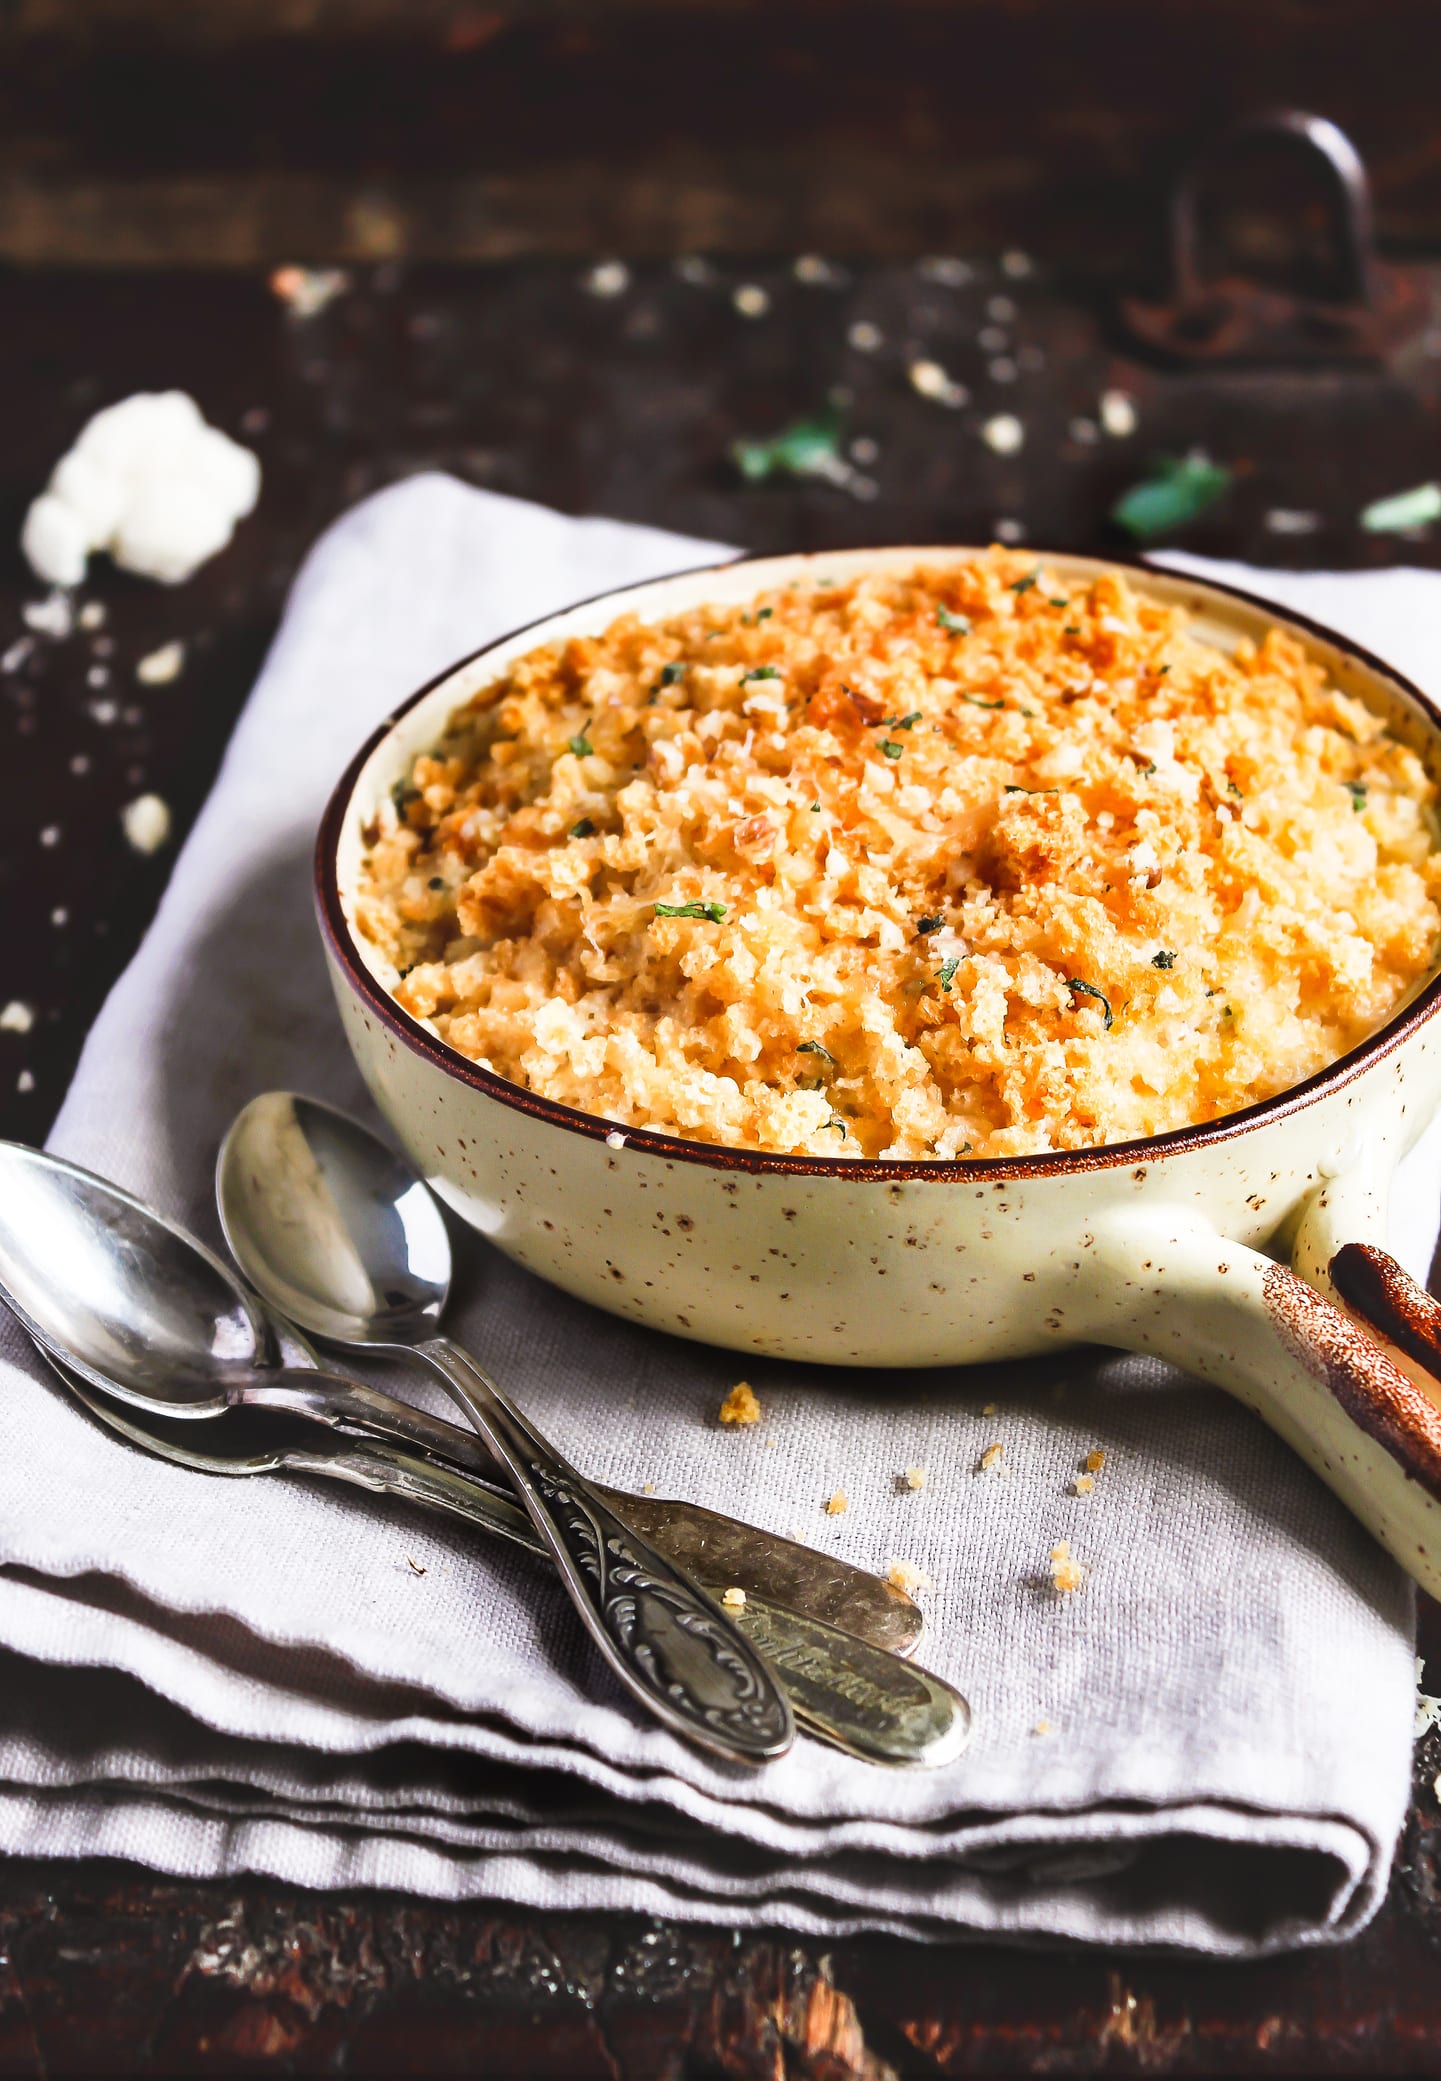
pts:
[664, 1638]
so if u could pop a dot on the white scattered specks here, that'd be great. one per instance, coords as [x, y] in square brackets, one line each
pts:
[695, 269]
[751, 300]
[305, 291]
[817, 272]
[98, 675]
[159, 667]
[1004, 434]
[103, 646]
[615, 1139]
[1118, 414]
[1008, 530]
[80, 763]
[17, 1017]
[92, 615]
[146, 823]
[865, 450]
[103, 711]
[1017, 265]
[16, 655]
[607, 278]
[1002, 369]
[992, 338]
[1084, 432]
[60, 916]
[25, 1081]
[52, 616]
[865, 337]
[1001, 310]
[945, 269]
[50, 836]
[1285, 520]
[929, 379]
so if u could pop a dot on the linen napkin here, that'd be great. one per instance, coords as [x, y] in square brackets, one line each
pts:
[1205, 1747]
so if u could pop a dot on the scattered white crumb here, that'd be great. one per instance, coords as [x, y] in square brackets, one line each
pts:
[865, 337]
[98, 675]
[798, 1534]
[25, 1082]
[945, 269]
[80, 763]
[16, 655]
[52, 616]
[914, 1477]
[929, 379]
[695, 269]
[734, 1599]
[865, 450]
[149, 481]
[816, 272]
[50, 836]
[146, 823]
[647, 1488]
[60, 916]
[741, 1405]
[989, 1409]
[159, 667]
[305, 291]
[1117, 414]
[1002, 309]
[1004, 433]
[837, 1504]
[1009, 530]
[17, 1017]
[607, 278]
[92, 615]
[990, 1459]
[1288, 520]
[615, 1139]
[1084, 431]
[103, 711]
[1082, 1485]
[905, 1575]
[1041, 1727]
[1016, 264]
[1067, 1574]
[751, 300]
[1002, 370]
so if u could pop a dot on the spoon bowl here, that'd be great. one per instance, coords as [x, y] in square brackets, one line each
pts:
[338, 1233]
[142, 1310]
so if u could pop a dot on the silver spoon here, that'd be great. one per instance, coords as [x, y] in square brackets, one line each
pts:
[842, 1689]
[144, 1311]
[344, 1238]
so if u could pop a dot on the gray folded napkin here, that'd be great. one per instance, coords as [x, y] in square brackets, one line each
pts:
[1206, 1746]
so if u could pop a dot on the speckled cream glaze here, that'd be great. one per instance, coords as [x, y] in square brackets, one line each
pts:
[1160, 1246]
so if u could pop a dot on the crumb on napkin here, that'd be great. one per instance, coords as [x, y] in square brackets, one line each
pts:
[990, 1459]
[734, 1598]
[1066, 1572]
[914, 1477]
[837, 1504]
[905, 1575]
[741, 1405]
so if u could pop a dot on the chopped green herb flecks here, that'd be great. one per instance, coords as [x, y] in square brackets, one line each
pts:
[815, 1048]
[976, 701]
[929, 923]
[1181, 488]
[1163, 960]
[839, 1124]
[1014, 788]
[808, 448]
[1231, 788]
[1089, 990]
[815, 808]
[953, 624]
[946, 973]
[1404, 510]
[1058, 603]
[1023, 585]
[1072, 628]
[669, 674]
[713, 911]
[902, 722]
[402, 795]
[581, 744]
[584, 829]
[890, 749]
[1356, 789]
[759, 672]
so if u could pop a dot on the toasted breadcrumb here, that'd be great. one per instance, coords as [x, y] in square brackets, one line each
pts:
[905, 1575]
[647, 1488]
[990, 1459]
[734, 1598]
[1066, 1573]
[989, 1410]
[837, 1504]
[741, 1405]
[1095, 1460]
[915, 1477]
[1041, 1727]
[1082, 1485]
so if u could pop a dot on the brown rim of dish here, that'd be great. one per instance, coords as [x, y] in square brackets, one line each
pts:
[719, 1156]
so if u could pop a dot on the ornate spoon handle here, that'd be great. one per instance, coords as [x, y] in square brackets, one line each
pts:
[664, 1638]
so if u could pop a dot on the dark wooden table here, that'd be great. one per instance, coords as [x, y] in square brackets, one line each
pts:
[527, 380]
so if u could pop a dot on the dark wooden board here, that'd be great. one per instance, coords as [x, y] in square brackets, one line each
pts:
[525, 380]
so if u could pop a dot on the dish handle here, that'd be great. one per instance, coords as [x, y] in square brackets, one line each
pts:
[1172, 1286]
